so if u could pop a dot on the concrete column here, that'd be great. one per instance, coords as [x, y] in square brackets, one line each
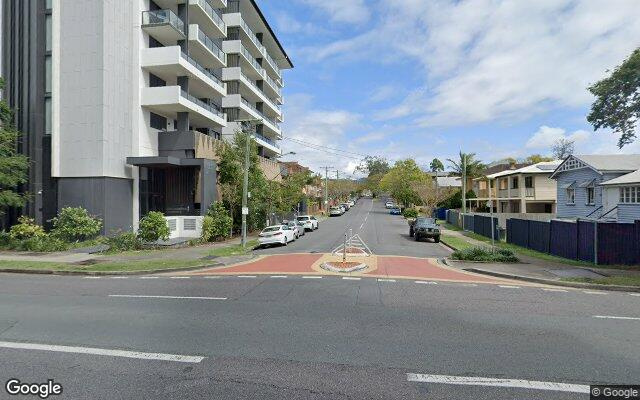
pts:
[183, 14]
[183, 82]
[183, 122]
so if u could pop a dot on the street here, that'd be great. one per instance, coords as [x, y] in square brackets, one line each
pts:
[274, 336]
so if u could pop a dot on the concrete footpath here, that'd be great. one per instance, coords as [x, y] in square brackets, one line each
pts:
[538, 270]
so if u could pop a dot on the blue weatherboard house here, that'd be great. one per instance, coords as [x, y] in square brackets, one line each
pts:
[605, 187]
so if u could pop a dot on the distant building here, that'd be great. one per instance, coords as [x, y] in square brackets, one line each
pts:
[527, 189]
[599, 186]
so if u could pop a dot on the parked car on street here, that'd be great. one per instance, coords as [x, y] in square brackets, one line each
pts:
[426, 228]
[413, 221]
[389, 204]
[310, 222]
[301, 229]
[344, 210]
[346, 206]
[352, 203]
[295, 227]
[395, 211]
[276, 234]
[336, 211]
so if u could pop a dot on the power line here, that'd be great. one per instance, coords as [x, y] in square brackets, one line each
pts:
[315, 145]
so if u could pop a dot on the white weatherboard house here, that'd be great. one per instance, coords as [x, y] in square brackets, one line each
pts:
[605, 187]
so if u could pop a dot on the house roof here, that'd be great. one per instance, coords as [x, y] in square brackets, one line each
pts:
[633, 177]
[612, 162]
[449, 181]
[545, 167]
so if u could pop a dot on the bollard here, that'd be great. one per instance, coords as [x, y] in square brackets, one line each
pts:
[344, 248]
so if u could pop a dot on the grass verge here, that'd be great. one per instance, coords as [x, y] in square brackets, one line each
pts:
[115, 266]
[455, 242]
[610, 280]
[233, 250]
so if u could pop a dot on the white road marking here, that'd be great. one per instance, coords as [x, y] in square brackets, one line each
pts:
[278, 276]
[351, 278]
[180, 277]
[119, 277]
[592, 292]
[466, 284]
[246, 276]
[386, 280]
[103, 352]
[615, 317]
[511, 383]
[311, 277]
[142, 296]
[554, 290]
[148, 277]
[509, 287]
[634, 294]
[427, 282]
[91, 277]
[212, 277]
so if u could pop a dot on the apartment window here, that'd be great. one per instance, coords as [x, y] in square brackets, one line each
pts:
[48, 38]
[528, 181]
[630, 194]
[571, 196]
[47, 74]
[47, 116]
[157, 121]
[514, 183]
[155, 81]
[591, 195]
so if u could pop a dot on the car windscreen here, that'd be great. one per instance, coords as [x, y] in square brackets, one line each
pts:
[303, 218]
[271, 229]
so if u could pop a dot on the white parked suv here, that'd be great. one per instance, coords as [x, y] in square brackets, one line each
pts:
[310, 222]
[276, 234]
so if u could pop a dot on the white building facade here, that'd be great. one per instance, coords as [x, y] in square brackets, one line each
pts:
[142, 90]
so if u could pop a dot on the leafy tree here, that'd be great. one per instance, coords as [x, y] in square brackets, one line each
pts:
[217, 223]
[473, 168]
[430, 195]
[74, 224]
[153, 227]
[292, 190]
[436, 165]
[375, 167]
[617, 104]
[562, 148]
[14, 166]
[536, 158]
[400, 181]
[455, 200]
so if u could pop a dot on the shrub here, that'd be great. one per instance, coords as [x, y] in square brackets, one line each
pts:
[5, 240]
[124, 241]
[153, 227]
[42, 243]
[485, 255]
[410, 213]
[74, 224]
[217, 223]
[26, 228]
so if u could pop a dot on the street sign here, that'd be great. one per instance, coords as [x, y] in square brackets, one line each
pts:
[245, 210]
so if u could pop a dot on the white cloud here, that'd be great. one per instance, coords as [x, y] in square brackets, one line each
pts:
[546, 136]
[350, 11]
[370, 137]
[488, 60]
[383, 92]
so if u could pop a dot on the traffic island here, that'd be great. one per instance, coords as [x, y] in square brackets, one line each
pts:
[343, 266]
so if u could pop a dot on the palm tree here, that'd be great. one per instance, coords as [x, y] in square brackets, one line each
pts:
[474, 167]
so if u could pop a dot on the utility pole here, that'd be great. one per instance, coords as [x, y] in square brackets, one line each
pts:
[245, 187]
[326, 188]
[464, 184]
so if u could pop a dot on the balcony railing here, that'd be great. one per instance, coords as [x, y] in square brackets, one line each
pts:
[211, 45]
[271, 102]
[213, 13]
[266, 139]
[503, 193]
[252, 60]
[271, 62]
[251, 106]
[162, 17]
[202, 69]
[207, 106]
[273, 84]
[530, 192]
[251, 35]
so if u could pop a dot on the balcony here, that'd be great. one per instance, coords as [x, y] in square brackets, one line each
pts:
[530, 192]
[170, 100]
[250, 111]
[272, 87]
[249, 64]
[170, 62]
[208, 18]
[205, 50]
[250, 89]
[164, 26]
[268, 143]
[503, 193]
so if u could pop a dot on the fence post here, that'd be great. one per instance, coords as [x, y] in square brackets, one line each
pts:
[595, 242]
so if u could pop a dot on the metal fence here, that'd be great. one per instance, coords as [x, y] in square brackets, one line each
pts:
[603, 243]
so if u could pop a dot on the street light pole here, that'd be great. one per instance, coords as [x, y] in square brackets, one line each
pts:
[464, 184]
[245, 189]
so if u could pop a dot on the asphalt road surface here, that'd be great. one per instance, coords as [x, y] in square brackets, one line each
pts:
[275, 338]
[383, 233]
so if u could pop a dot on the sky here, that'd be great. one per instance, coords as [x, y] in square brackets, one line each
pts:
[429, 78]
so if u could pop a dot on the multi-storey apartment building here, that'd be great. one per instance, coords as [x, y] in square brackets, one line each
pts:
[123, 103]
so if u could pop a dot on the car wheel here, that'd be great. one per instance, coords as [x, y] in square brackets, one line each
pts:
[416, 238]
[436, 239]
[284, 241]
[411, 232]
